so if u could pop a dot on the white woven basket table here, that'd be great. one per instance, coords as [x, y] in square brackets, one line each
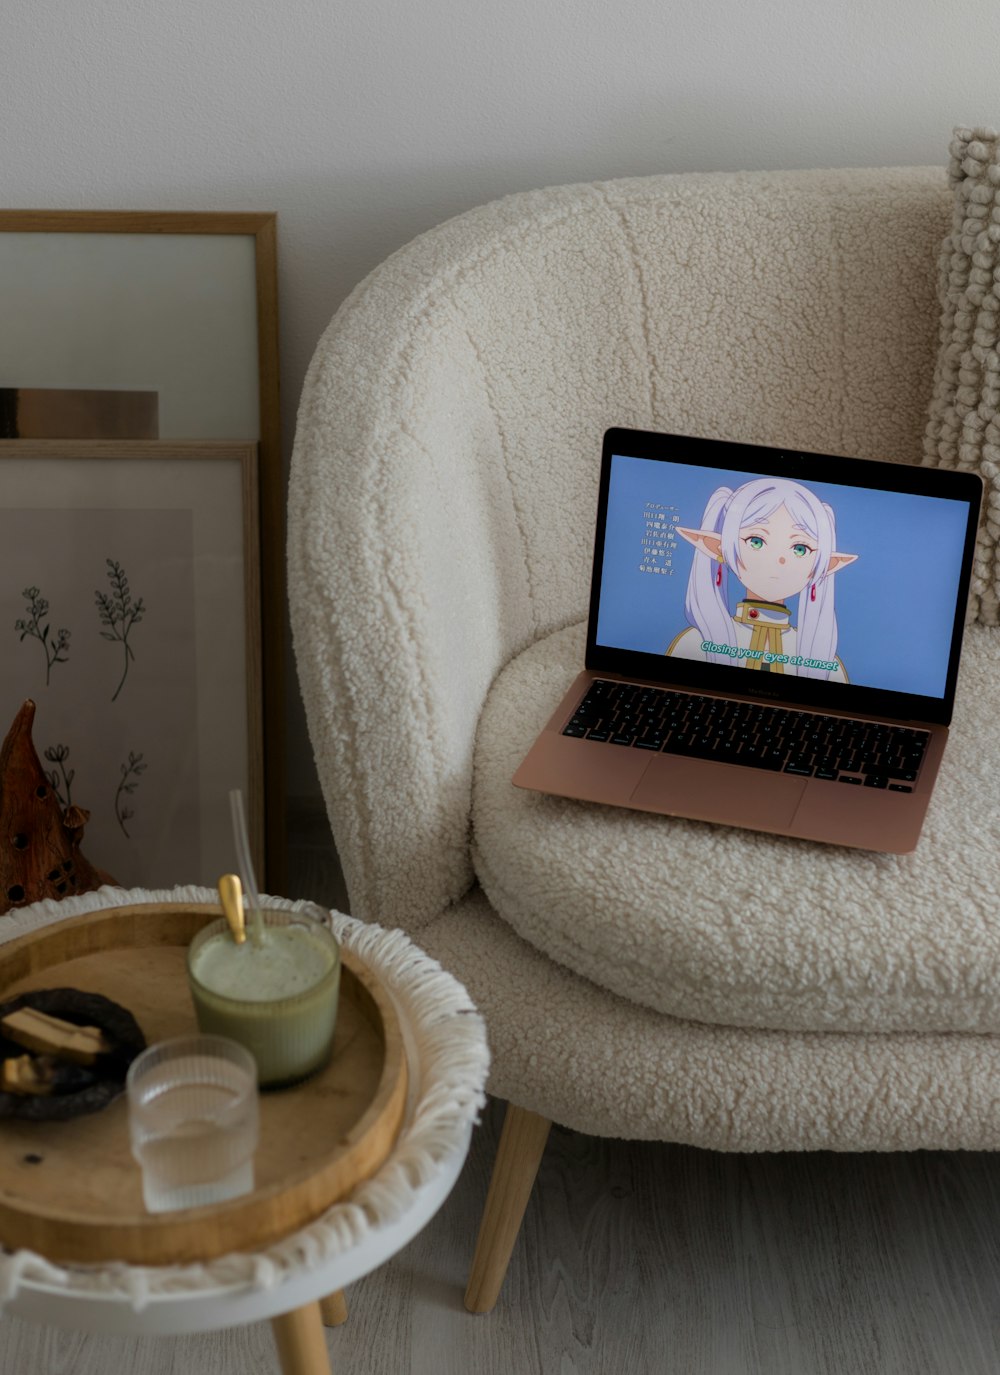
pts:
[447, 1061]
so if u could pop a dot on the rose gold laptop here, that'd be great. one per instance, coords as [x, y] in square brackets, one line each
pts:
[773, 640]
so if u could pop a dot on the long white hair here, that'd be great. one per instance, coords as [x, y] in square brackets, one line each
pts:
[728, 512]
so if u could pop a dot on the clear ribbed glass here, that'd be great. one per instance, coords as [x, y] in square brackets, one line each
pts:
[193, 1121]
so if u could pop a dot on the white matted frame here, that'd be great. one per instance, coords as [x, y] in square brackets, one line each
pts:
[183, 305]
[130, 613]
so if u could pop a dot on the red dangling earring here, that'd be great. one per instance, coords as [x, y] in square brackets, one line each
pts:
[812, 594]
[718, 575]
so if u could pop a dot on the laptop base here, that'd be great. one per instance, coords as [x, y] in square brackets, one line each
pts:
[726, 793]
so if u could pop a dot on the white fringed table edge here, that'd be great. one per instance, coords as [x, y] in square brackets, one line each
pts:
[448, 1057]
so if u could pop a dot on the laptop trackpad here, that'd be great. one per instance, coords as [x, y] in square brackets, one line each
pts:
[718, 792]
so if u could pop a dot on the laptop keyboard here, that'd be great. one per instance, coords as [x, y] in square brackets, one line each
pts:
[808, 745]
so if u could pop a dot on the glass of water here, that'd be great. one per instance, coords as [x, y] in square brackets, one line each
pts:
[193, 1121]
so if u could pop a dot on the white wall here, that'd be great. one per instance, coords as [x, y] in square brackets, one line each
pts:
[364, 123]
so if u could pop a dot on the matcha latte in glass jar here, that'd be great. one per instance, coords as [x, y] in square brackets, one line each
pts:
[275, 993]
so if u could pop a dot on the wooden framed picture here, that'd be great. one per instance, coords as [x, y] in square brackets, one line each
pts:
[130, 614]
[143, 327]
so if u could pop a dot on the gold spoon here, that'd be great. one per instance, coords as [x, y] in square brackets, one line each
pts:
[231, 897]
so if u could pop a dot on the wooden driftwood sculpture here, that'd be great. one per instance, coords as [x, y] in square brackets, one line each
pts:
[40, 854]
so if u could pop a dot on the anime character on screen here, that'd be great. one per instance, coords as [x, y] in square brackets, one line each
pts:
[779, 540]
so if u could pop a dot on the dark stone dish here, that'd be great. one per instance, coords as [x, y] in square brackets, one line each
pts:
[100, 1083]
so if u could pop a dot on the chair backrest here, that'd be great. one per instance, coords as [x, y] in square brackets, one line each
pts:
[444, 475]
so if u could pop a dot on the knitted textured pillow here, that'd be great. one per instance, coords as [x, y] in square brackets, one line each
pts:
[963, 429]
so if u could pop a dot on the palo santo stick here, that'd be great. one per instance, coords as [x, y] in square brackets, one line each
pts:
[26, 1076]
[38, 1031]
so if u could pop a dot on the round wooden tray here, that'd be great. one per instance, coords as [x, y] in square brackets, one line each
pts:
[71, 1190]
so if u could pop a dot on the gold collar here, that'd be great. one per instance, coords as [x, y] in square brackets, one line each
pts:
[769, 620]
[754, 613]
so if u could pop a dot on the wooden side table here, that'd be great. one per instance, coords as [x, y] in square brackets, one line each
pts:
[140, 1283]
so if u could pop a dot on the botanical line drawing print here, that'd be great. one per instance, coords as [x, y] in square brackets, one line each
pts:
[131, 773]
[119, 613]
[58, 754]
[38, 608]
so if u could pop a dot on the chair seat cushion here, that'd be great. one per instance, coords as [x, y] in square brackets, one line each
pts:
[739, 928]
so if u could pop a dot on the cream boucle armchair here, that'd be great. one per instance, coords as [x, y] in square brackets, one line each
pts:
[639, 976]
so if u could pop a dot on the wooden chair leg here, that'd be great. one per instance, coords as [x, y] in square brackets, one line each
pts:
[301, 1341]
[333, 1309]
[522, 1143]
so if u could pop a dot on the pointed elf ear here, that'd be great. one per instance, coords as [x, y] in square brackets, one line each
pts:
[839, 561]
[707, 541]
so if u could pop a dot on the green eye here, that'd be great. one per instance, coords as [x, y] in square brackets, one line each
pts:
[801, 550]
[755, 542]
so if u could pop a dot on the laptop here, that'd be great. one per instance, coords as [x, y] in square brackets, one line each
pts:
[773, 640]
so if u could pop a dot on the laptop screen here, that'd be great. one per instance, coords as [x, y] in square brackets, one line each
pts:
[773, 572]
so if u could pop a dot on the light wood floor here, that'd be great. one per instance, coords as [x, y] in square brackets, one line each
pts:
[645, 1259]
[650, 1259]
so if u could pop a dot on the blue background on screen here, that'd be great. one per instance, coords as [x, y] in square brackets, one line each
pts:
[895, 605]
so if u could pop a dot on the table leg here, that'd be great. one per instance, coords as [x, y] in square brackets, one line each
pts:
[333, 1309]
[301, 1341]
[519, 1154]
